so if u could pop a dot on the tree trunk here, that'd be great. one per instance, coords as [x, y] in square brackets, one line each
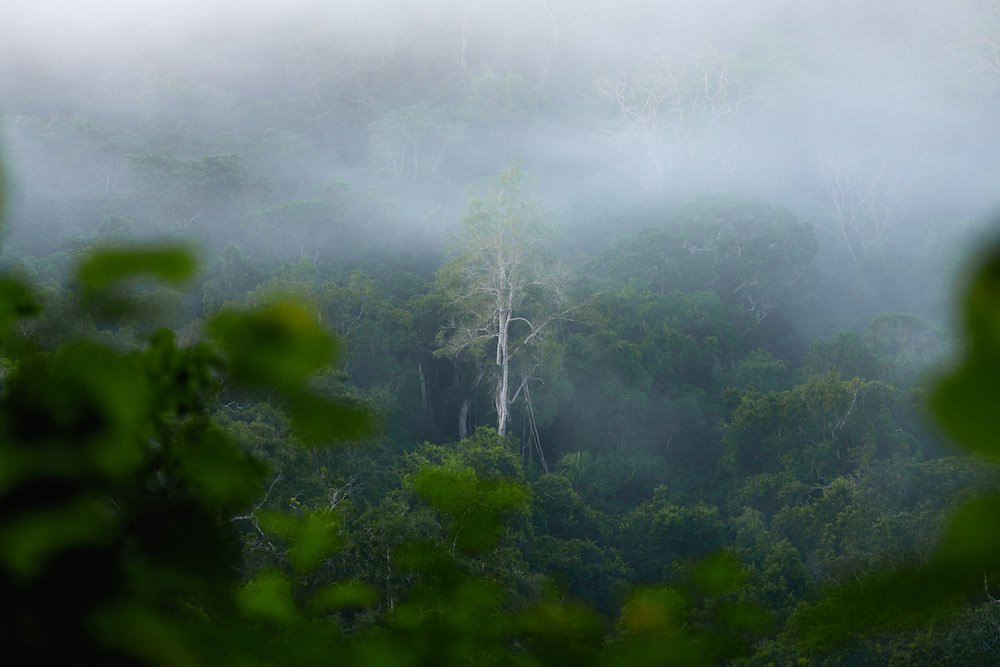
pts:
[503, 386]
[424, 398]
[463, 420]
[463, 414]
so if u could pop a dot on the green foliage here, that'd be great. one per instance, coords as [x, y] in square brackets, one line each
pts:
[475, 508]
[558, 511]
[816, 431]
[641, 366]
[762, 371]
[281, 346]
[658, 535]
[750, 253]
[112, 470]
[414, 140]
[966, 562]
[16, 302]
[845, 352]
[135, 467]
[106, 267]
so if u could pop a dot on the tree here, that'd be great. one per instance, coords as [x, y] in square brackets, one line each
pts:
[415, 139]
[670, 109]
[861, 200]
[500, 287]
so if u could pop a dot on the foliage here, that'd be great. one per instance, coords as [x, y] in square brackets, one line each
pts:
[169, 496]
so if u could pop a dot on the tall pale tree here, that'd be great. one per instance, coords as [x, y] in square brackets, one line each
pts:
[504, 293]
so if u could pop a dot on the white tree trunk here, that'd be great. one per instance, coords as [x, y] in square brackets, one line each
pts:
[503, 386]
[463, 420]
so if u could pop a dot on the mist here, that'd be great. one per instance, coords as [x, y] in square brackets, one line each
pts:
[876, 126]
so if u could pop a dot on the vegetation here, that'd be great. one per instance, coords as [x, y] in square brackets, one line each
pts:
[275, 389]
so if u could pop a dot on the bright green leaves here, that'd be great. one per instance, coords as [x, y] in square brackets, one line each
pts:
[475, 507]
[281, 346]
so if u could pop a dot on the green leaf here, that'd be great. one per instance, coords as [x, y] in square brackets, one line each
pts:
[312, 538]
[16, 301]
[475, 507]
[28, 541]
[967, 406]
[718, 574]
[103, 268]
[316, 537]
[217, 472]
[743, 615]
[344, 595]
[279, 345]
[966, 401]
[972, 542]
[269, 598]
[655, 611]
[85, 406]
[317, 420]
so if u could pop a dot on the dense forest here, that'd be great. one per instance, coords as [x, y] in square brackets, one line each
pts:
[539, 332]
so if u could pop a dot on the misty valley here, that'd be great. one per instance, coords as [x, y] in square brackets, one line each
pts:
[543, 332]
